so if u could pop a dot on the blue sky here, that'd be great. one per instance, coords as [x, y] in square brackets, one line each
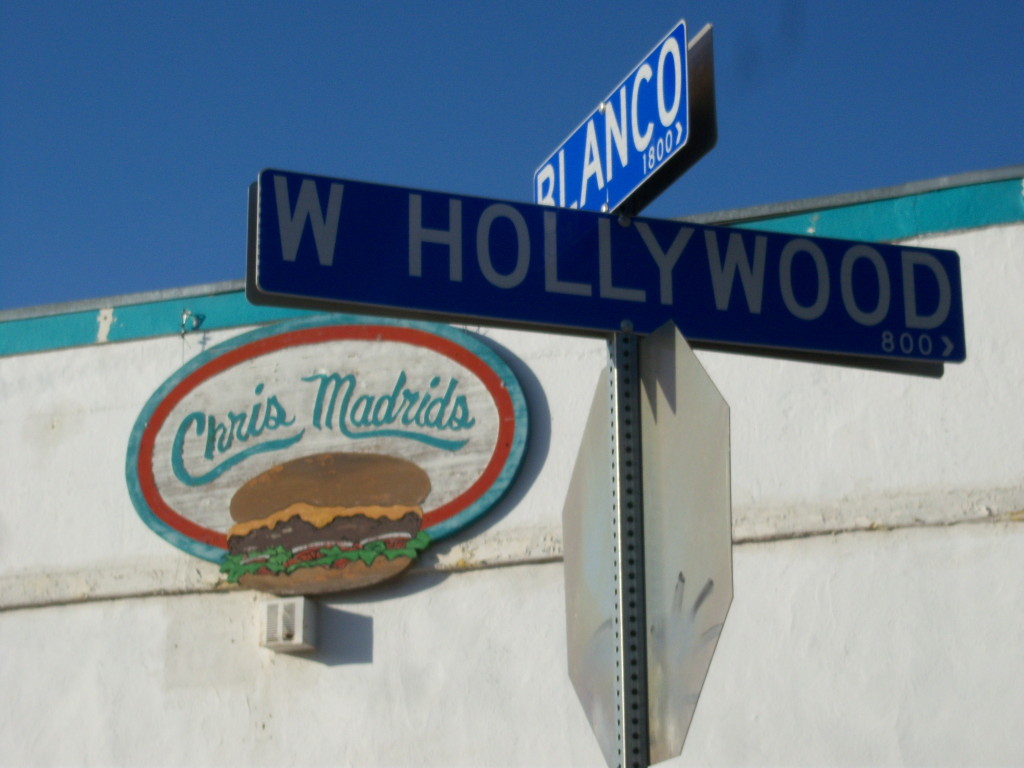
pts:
[130, 131]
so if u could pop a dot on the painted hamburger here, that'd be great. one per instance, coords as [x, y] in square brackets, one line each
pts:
[327, 523]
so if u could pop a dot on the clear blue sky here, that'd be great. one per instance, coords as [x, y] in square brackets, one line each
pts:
[130, 131]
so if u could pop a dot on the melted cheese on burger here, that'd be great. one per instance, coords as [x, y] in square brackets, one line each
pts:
[321, 516]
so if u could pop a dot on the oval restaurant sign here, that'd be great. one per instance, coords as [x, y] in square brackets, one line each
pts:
[323, 455]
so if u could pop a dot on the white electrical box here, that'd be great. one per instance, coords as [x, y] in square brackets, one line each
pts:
[289, 624]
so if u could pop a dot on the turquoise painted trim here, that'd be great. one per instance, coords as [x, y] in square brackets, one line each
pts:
[132, 322]
[38, 334]
[223, 310]
[942, 210]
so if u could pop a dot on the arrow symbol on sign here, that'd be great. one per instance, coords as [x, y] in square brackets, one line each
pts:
[949, 346]
[679, 132]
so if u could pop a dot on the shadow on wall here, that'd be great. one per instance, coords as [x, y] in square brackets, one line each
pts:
[345, 636]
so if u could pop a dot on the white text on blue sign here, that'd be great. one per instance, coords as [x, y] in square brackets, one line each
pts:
[635, 130]
[440, 255]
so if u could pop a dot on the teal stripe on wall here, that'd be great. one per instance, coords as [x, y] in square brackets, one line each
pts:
[169, 317]
[943, 210]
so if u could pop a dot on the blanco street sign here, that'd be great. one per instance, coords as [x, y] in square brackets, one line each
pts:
[642, 123]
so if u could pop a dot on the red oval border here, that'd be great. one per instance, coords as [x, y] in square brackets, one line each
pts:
[319, 334]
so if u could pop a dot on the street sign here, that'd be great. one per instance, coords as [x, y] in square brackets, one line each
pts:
[639, 135]
[648, 570]
[642, 123]
[319, 242]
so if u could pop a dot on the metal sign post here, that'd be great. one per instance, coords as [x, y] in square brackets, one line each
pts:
[661, 408]
[647, 547]
[604, 564]
[631, 614]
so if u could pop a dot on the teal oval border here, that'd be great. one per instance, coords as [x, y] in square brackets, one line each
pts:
[442, 530]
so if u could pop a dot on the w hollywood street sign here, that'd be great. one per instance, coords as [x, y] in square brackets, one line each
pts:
[319, 242]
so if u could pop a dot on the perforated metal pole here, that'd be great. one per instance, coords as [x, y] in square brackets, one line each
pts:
[630, 629]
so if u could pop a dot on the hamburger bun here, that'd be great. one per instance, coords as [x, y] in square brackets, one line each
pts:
[326, 523]
[332, 480]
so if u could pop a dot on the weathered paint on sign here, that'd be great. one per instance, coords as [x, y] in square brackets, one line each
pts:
[367, 438]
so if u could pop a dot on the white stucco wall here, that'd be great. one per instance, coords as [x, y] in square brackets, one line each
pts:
[880, 648]
[878, 616]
